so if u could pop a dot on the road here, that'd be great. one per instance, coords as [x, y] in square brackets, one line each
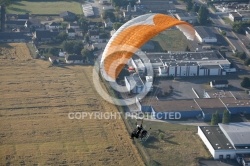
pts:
[235, 40]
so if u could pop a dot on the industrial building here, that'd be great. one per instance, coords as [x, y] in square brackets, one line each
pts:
[208, 63]
[201, 108]
[205, 34]
[227, 141]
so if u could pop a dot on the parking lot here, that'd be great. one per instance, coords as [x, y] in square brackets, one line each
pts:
[185, 88]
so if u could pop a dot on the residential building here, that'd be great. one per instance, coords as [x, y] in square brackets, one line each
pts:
[73, 25]
[45, 35]
[239, 16]
[74, 59]
[93, 35]
[9, 37]
[108, 23]
[68, 16]
[71, 33]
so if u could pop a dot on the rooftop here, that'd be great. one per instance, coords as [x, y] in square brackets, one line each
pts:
[134, 80]
[216, 137]
[186, 56]
[231, 102]
[210, 105]
[205, 32]
[171, 105]
[237, 133]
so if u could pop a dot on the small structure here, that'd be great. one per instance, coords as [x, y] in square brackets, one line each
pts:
[219, 84]
[205, 34]
[54, 60]
[108, 23]
[68, 16]
[71, 33]
[134, 83]
[74, 59]
[93, 35]
[73, 25]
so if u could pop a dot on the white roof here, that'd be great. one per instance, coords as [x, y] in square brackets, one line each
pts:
[237, 133]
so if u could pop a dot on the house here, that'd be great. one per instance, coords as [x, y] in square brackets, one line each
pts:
[73, 25]
[188, 17]
[54, 60]
[71, 33]
[219, 84]
[99, 46]
[68, 16]
[205, 34]
[227, 141]
[74, 59]
[54, 25]
[8, 37]
[108, 23]
[15, 24]
[93, 35]
[22, 17]
[44, 35]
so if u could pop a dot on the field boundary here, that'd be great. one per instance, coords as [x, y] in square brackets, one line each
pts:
[145, 157]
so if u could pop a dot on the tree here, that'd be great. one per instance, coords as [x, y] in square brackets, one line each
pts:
[245, 82]
[62, 36]
[203, 15]
[223, 33]
[226, 117]
[187, 49]
[238, 27]
[215, 118]
[241, 55]
[189, 5]
[86, 53]
[83, 23]
[4, 2]
[108, 14]
[54, 51]
[117, 25]
[78, 45]
[72, 47]
[195, 8]
[247, 62]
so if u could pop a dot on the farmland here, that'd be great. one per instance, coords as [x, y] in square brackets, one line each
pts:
[35, 101]
[40, 7]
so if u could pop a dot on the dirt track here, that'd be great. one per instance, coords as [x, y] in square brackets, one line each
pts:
[34, 125]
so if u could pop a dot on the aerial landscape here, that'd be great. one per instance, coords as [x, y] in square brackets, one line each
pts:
[125, 82]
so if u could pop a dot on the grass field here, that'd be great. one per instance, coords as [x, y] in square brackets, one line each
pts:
[171, 40]
[179, 145]
[34, 125]
[48, 7]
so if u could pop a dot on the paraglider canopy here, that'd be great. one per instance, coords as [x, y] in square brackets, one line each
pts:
[133, 35]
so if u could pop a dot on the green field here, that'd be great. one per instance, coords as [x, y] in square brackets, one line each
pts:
[171, 40]
[178, 145]
[49, 7]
